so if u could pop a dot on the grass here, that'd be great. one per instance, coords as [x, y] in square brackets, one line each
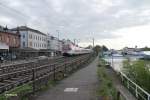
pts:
[48, 86]
[22, 90]
[18, 91]
[106, 88]
[139, 72]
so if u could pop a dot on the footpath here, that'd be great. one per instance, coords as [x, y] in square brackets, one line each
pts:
[81, 85]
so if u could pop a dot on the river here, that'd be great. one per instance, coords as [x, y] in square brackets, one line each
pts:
[117, 61]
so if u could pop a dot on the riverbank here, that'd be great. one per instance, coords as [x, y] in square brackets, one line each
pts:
[106, 89]
[112, 87]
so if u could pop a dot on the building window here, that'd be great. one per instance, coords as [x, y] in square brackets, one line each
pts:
[14, 40]
[30, 36]
[7, 39]
[30, 44]
[0, 38]
[23, 44]
[23, 36]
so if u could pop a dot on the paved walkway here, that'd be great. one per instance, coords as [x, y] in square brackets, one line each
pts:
[79, 86]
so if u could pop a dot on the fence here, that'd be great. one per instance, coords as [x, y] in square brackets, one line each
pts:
[135, 89]
[43, 74]
[40, 76]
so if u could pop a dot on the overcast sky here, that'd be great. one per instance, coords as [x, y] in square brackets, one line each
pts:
[114, 23]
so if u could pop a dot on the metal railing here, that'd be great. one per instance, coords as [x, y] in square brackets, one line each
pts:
[135, 89]
[55, 70]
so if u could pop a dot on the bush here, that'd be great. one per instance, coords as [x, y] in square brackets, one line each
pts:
[139, 72]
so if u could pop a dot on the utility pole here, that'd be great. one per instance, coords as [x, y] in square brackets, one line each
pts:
[74, 41]
[78, 40]
[93, 42]
[93, 39]
[58, 40]
[58, 33]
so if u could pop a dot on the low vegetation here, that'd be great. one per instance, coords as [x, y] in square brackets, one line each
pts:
[139, 72]
[106, 89]
[18, 91]
[22, 91]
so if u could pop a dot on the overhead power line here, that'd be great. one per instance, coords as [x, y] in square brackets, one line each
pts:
[14, 10]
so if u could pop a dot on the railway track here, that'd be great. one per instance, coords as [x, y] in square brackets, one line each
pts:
[15, 75]
[30, 64]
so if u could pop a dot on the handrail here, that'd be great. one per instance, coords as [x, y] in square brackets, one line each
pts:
[137, 87]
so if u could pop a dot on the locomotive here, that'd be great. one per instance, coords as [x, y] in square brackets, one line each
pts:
[75, 50]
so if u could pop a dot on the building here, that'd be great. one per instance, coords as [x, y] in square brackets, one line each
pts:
[131, 51]
[3, 46]
[55, 45]
[9, 39]
[31, 38]
[60, 45]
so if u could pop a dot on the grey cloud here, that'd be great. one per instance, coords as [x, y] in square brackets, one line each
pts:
[76, 18]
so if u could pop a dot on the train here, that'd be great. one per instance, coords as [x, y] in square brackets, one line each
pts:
[76, 50]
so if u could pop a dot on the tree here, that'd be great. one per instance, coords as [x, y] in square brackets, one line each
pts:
[145, 49]
[97, 49]
[89, 47]
[104, 48]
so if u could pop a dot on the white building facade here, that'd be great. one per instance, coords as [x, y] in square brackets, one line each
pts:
[55, 45]
[31, 38]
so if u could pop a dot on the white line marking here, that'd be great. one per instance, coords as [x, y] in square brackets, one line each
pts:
[70, 89]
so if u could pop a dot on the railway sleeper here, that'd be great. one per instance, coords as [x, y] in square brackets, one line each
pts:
[9, 84]
[13, 74]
